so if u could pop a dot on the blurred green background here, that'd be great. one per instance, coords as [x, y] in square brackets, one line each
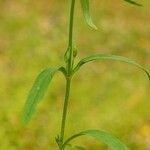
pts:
[105, 95]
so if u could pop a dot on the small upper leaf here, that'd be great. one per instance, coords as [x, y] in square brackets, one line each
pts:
[86, 12]
[133, 2]
[105, 137]
[37, 93]
[109, 56]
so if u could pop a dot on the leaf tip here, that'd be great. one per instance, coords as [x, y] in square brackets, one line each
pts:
[92, 25]
[95, 27]
[134, 3]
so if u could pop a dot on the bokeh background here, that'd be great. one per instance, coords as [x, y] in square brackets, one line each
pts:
[105, 95]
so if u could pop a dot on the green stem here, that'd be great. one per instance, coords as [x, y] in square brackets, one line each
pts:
[71, 22]
[70, 40]
[69, 66]
[68, 81]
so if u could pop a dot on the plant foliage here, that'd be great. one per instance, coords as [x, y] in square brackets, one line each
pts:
[109, 56]
[105, 137]
[43, 80]
[86, 12]
[37, 92]
[133, 2]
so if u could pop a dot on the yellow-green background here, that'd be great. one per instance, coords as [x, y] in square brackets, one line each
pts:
[105, 95]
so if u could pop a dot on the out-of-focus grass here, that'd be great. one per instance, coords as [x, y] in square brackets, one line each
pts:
[105, 95]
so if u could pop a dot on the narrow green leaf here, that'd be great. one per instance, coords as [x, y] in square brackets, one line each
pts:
[86, 12]
[105, 137]
[37, 93]
[109, 56]
[133, 2]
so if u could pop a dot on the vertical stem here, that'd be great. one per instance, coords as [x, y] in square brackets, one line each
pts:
[70, 40]
[71, 22]
[68, 81]
[68, 75]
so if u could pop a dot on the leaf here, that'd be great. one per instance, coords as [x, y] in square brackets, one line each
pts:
[105, 137]
[86, 12]
[109, 56]
[37, 93]
[133, 2]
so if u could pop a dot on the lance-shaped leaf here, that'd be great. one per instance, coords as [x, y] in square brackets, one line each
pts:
[105, 137]
[86, 11]
[37, 93]
[133, 2]
[109, 56]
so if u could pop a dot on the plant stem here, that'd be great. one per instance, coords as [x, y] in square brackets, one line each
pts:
[69, 66]
[68, 81]
[70, 40]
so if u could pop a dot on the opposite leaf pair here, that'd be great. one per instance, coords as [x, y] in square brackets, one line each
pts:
[40, 85]
[43, 80]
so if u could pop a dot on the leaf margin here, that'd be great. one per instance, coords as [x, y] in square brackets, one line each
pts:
[108, 56]
[86, 12]
[105, 137]
[133, 2]
[35, 95]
